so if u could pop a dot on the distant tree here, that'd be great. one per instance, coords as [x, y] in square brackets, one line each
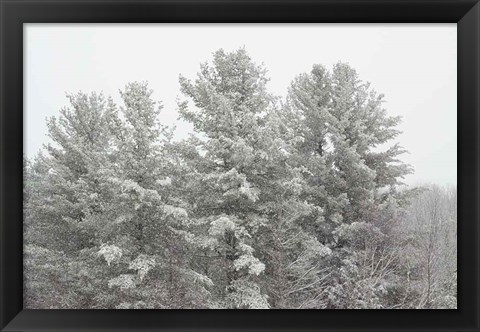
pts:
[431, 225]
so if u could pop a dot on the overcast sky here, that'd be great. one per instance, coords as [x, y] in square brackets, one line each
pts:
[413, 65]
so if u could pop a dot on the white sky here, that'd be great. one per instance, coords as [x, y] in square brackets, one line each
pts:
[414, 65]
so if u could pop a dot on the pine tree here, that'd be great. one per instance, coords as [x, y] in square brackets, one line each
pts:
[232, 102]
[63, 190]
[142, 232]
[342, 127]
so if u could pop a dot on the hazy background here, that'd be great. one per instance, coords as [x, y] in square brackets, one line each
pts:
[414, 65]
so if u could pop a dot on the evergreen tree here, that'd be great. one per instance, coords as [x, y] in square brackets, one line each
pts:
[141, 234]
[231, 101]
[63, 190]
[342, 128]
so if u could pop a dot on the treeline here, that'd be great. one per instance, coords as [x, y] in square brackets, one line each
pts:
[271, 203]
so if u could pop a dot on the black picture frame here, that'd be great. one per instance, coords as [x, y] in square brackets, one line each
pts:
[14, 13]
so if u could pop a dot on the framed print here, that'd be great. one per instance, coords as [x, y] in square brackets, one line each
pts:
[320, 157]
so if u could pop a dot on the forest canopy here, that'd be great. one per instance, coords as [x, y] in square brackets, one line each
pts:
[272, 202]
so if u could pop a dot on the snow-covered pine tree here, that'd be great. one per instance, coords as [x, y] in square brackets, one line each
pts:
[142, 233]
[231, 103]
[63, 189]
[343, 130]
